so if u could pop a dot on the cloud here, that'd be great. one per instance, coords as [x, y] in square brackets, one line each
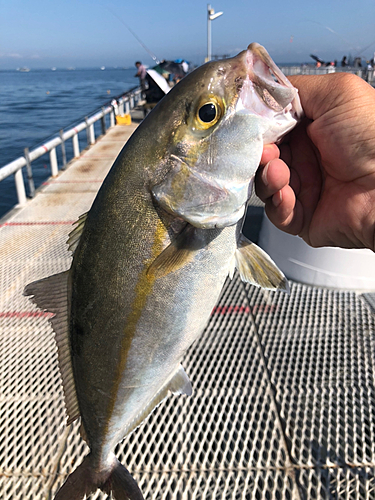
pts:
[12, 55]
[16, 55]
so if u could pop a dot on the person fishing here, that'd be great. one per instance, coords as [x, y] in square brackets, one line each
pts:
[319, 183]
[141, 74]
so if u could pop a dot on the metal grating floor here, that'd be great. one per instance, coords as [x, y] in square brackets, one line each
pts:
[284, 397]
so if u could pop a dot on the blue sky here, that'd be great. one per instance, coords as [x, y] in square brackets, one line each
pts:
[86, 33]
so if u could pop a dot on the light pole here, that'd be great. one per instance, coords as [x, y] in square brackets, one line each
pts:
[210, 17]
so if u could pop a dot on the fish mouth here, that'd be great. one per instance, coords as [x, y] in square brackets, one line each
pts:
[266, 91]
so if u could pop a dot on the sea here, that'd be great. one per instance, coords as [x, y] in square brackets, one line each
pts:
[35, 105]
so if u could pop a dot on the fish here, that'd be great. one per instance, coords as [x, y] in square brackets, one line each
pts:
[151, 256]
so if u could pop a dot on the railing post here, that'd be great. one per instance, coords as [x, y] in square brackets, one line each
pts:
[127, 107]
[112, 118]
[63, 151]
[20, 187]
[104, 128]
[53, 162]
[87, 131]
[92, 134]
[29, 173]
[75, 146]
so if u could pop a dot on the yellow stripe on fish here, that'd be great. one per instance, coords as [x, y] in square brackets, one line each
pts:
[143, 290]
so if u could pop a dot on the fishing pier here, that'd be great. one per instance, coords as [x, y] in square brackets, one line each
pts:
[284, 385]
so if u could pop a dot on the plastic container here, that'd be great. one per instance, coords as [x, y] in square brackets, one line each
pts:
[328, 266]
[123, 120]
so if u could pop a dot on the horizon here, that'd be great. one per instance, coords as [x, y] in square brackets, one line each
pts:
[130, 68]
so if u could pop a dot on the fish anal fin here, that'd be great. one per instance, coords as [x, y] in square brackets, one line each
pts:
[257, 268]
[51, 294]
[178, 254]
[178, 383]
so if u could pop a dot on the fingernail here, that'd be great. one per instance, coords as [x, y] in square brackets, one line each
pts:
[265, 174]
[277, 198]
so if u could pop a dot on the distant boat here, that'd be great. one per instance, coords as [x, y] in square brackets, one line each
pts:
[24, 69]
[71, 68]
[53, 69]
[102, 68]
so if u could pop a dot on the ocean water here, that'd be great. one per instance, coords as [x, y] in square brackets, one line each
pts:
[35, 105]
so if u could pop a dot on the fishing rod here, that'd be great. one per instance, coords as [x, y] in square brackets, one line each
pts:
[330, 30]
[359, 52]
[151, 54]
[365, 48]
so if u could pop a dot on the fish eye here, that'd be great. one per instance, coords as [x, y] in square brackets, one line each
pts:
[207, 113]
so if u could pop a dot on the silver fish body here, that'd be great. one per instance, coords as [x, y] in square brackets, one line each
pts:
[159, 318]
[152, 254]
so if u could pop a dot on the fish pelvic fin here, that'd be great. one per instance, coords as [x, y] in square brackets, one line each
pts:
[257, 268]
[51, 294]
[115, 480]
[178, 383]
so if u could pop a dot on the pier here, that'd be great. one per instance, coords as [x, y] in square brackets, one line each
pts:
[365, 73]
[284, 389]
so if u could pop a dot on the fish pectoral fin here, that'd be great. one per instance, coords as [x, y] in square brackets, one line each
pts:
[257, 268]
[51, 294]
[76, 233]
[179, 253]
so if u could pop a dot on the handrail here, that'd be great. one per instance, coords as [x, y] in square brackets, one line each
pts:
[119, 105]
[364, 73]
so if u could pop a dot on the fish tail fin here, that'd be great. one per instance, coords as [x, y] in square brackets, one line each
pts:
[79, 483]
[84, 481]
[122, 485]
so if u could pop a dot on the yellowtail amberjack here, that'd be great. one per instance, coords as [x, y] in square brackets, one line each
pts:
[152, 254]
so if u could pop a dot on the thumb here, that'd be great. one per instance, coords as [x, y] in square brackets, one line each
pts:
[321, 93]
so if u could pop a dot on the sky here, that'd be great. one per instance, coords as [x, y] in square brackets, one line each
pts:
[94, 33]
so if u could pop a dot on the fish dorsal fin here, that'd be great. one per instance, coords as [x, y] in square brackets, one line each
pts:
[75, 234]
[51, 294]
[257, 268]
[180, 252]
[179, 383]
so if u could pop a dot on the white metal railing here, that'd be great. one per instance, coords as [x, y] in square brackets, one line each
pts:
[366, 74]
[120, 106]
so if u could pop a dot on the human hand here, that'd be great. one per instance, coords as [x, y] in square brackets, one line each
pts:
[323, 187]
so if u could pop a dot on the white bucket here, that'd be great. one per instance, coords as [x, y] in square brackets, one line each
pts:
[328, 266]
